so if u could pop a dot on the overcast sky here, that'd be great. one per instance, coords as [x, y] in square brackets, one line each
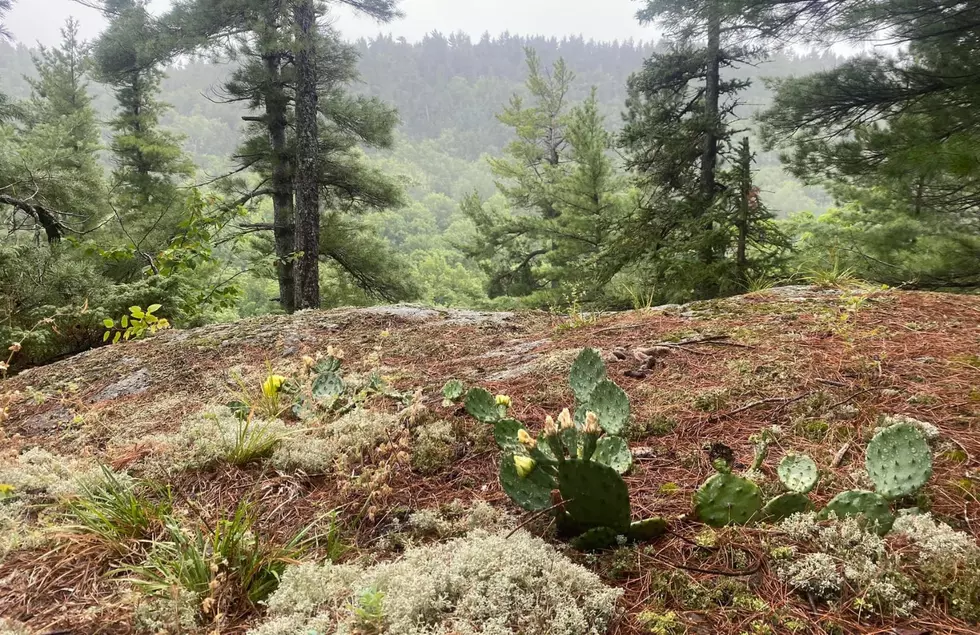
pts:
[39, 20]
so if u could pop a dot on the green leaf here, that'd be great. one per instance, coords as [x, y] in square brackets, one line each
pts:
[115, 339]
[105, 337]
[136, 312]
[153, 308]
[109, 323]
[125, 321]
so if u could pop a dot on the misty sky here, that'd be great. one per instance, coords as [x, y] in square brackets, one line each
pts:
[39, 20]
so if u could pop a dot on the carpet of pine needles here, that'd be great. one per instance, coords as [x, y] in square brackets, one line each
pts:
[834, 359]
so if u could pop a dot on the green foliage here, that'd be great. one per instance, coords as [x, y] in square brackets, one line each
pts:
[531, 491]
[116, 510]
[482, 405]
[594, 494]
[230, 557]
[453, 391]
[136, 325]
[611, 406]
[899, 461]
[615, 452]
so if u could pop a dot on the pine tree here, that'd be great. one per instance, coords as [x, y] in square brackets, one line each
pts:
[677, 138]
[150, 164]
[53, 174]
[563, 196]
[260, 35]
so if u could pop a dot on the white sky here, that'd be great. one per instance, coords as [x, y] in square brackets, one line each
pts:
[40, 20]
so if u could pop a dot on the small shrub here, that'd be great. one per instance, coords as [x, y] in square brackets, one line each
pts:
[433, 448]
[656, 426]
[220, 435]
[135, 325]
[483, 583]
[711, 400]
[114, 510]
[228, 566]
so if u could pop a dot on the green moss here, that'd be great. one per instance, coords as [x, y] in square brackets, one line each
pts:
[661, 623]
[657, 426]
[669, 489]
[811, 429]
[711, 400]
[433, 449]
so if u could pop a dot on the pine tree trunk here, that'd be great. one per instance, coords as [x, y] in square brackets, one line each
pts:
[709, 154]
[307, 153]
[282, 186]
[745, 187]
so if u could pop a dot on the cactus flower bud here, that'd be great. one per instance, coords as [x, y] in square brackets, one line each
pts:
[550, 429]
[503, 400]
[526, 439]
[565, 420]
[272, 385]
[591, 423]
[524, 465]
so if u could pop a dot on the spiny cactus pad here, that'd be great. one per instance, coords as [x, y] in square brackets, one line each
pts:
[587, 371]
[614, 452]
[505, 434]
[647, 529]
[327, 386]
[611, 405]
[899, 460]
[798, 473]
[482, 405]
[533, 492]
[785, 505]
[453, 390]
[594, 494]
[727, 499]
[329, 364]
[872, 507]
[595, 539]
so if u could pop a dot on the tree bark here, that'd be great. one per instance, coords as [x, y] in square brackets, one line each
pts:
[745, 187]
[709, 154]
[307, 152]
[276, 105]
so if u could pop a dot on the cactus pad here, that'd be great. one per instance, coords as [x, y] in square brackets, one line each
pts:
[482, 405]
[726, 499]
[798, 473]
[327, 386]
[594, 494]
[899, 460]
[785, 505]
[505, 434]
[647, 529]
[329, 364]
[614, 452]
[587, 371]
[611, 405]
[453, 390]
[533, 492]
[595, 539]
[872, 507]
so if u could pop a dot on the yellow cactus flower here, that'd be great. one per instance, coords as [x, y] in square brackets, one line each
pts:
[565, 420]
[272, 385]
[524, 465]
[503, 400]
[526, 439]
[592, 423]
[550, 429]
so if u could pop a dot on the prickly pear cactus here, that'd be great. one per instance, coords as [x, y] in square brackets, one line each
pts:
[505, 434]
[798, 473]
[453, 391]
[595, 539]
[587, 371]
[611, 405]
[647, 529]
[482, 405]
[614, 452]
[870, 506]
[785, 505]
[327, 386]
[594, 494]
[899, 461]
[533, 491]
[727, 499]
[328, 364]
